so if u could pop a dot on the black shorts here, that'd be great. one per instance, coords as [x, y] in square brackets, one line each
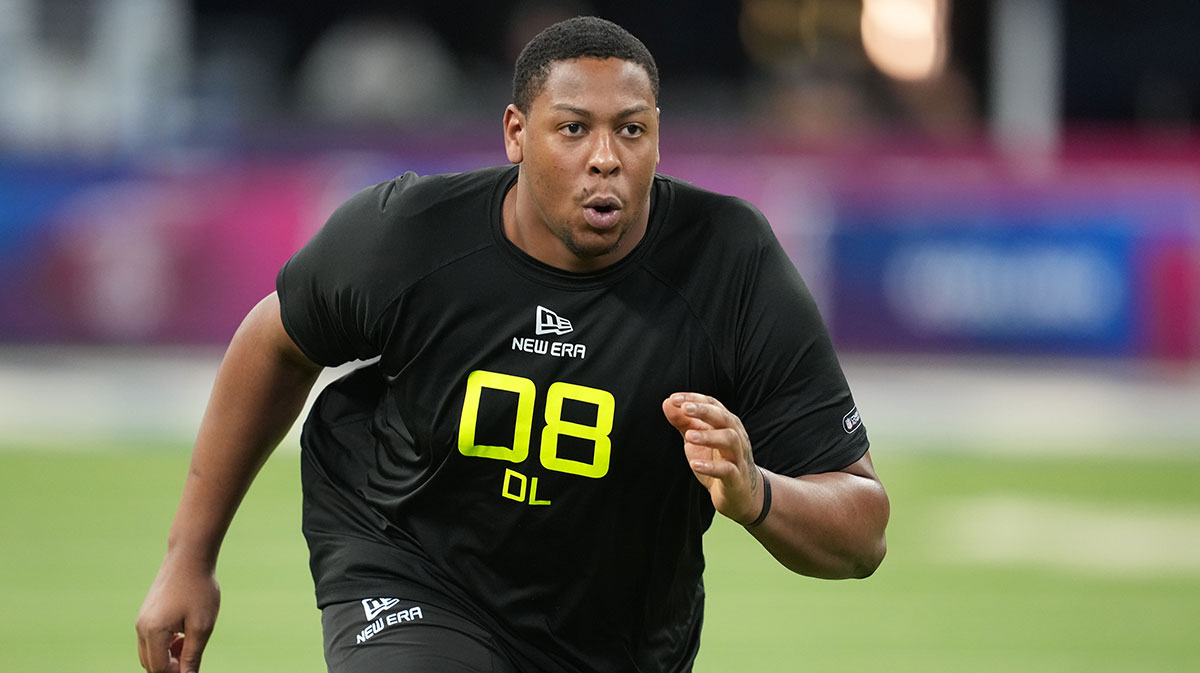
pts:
[390, 635]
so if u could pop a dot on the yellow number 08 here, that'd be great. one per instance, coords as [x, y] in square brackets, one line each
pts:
[526, 391]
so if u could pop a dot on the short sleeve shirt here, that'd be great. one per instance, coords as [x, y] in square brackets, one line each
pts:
[508, 450]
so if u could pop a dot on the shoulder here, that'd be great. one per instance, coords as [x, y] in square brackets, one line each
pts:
[415, 190]
[376, 246]
[713, 245]
[703, 227]
[730, 218]
[411, 196]
[402, 228]
[416, 214]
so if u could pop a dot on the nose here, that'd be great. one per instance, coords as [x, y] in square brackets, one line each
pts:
[603, 159]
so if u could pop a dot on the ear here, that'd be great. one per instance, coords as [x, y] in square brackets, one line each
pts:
[514, 134]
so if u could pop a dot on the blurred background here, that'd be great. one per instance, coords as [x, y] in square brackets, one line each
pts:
[1013, 181]
[995, 202]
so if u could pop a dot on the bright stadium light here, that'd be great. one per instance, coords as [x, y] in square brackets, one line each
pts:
[905, 39]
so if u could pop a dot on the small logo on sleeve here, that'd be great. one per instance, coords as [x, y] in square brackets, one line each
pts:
[851, 421]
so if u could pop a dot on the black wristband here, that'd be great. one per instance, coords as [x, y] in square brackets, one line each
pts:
[766, 508]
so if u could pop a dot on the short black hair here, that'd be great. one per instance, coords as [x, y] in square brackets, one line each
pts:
[580, 37]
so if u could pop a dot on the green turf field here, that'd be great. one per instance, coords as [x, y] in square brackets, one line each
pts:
[995, 564]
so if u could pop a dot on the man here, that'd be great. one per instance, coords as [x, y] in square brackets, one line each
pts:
[579, 362]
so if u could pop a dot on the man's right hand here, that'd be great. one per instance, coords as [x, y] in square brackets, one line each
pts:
[184, 601]
[261, 387]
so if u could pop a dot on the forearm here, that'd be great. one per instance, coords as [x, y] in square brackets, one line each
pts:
[261, 386]
[826, 525]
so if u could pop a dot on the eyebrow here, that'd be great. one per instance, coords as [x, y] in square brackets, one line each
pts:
[627, 112]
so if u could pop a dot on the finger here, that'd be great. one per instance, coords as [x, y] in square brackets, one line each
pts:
[154, 650]
[675, 415]
[717, 469]
[141, 645]
[680, 399]
[724, 440]
[193, 647]
[680, 420]
[712, 413]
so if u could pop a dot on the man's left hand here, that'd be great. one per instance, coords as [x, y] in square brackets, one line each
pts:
[719, 453]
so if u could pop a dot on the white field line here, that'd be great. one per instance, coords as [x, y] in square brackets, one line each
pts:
[1105, 540]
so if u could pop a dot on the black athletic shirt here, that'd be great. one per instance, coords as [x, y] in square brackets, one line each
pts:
[507, 454]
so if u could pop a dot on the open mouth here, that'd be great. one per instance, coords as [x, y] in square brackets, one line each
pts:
[601, 214]
[602, 203]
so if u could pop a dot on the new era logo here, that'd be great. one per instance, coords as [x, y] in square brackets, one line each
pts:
[373, 606]
[548, 322]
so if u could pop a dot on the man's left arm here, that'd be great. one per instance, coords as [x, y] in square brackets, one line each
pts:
[828, 525]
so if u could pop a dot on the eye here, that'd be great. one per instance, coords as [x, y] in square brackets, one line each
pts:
[632, 130]
[572, 128]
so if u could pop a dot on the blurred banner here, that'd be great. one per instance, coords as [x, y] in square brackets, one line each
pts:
[1096, 260]
[904, 252]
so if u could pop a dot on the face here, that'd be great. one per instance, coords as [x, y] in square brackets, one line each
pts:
[587, 150]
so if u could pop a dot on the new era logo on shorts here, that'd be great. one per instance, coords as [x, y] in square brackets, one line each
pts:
[373, 606]
[374, 609]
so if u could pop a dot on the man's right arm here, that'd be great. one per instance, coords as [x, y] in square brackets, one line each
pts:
[261, 387]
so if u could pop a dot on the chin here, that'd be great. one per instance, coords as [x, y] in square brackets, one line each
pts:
[592, 251]
[596, 246]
